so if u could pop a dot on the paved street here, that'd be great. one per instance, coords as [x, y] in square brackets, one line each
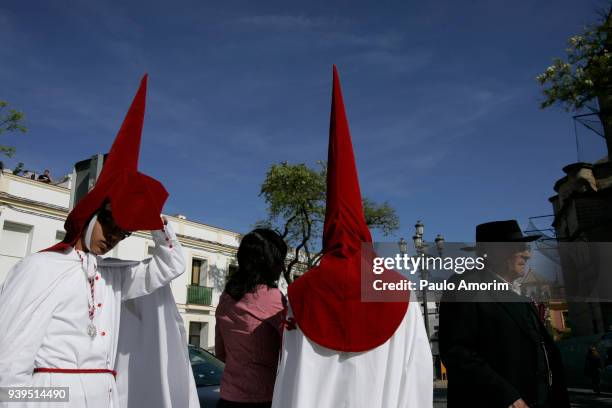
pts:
[588, 399]
[580, 398]
[439, 397]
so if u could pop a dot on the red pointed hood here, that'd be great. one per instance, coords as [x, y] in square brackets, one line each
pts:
[136, 199]
[125, 151]
[326, 300]
[345, 227]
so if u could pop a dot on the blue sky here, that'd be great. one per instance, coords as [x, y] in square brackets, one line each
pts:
[441, 98]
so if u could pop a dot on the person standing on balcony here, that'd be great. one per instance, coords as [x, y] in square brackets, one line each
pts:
[249, 323]
[108, 330]
[45, 177]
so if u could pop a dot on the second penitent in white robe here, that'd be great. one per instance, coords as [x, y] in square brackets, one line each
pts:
[44, 318]
[396, 374]
[347, 345]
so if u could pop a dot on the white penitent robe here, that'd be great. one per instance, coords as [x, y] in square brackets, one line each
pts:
[396, 374]
[43, 324]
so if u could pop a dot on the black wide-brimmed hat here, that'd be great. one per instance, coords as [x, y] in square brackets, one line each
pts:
[500, 231]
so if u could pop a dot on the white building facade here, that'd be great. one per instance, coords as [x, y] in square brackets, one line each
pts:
[32, 216]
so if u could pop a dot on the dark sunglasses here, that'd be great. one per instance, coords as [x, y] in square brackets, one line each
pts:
[106, 219]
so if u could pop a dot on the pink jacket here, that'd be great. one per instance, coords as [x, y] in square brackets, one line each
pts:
[248, 338]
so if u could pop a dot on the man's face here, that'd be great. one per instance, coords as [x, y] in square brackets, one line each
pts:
[518, 262]
[106, 233]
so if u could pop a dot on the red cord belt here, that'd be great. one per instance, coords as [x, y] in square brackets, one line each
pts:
[76, 371]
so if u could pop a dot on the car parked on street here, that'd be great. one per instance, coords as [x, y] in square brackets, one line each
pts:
[207, 372]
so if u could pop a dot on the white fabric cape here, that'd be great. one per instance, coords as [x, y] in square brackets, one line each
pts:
[396, 374]
[152, 354]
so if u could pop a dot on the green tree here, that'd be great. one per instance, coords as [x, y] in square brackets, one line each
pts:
[10, 121]
[585, 75]
[295, 195]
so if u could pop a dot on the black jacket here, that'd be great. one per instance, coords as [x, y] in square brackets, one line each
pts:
[491, 347]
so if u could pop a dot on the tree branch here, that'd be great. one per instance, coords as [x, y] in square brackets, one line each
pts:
[286, 228]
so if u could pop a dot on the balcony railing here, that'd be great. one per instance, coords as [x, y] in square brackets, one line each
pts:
[199, 295]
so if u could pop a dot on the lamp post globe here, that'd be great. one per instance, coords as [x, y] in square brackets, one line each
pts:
[403, 246]
[419, 228]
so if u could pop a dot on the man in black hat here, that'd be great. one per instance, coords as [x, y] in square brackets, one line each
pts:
[496, 350]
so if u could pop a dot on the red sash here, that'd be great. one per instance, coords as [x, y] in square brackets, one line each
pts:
[76, 371]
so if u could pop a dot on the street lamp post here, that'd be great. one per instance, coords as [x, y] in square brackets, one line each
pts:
[420, 245]
[439, 244]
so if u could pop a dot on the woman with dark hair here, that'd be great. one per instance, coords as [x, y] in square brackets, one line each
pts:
[249, 321]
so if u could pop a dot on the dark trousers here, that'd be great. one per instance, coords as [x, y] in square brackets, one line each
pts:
[230, 404]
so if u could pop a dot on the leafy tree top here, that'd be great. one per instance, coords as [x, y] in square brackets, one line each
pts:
[586, 73]
[11, 120]
[295, 195]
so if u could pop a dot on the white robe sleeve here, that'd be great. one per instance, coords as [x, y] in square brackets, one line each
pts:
[167, 263]
[28, 298]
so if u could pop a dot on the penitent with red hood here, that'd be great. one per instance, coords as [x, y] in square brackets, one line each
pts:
[344, 352]
[108, 330]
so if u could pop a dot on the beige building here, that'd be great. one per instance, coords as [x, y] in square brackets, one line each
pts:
[32, 216]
